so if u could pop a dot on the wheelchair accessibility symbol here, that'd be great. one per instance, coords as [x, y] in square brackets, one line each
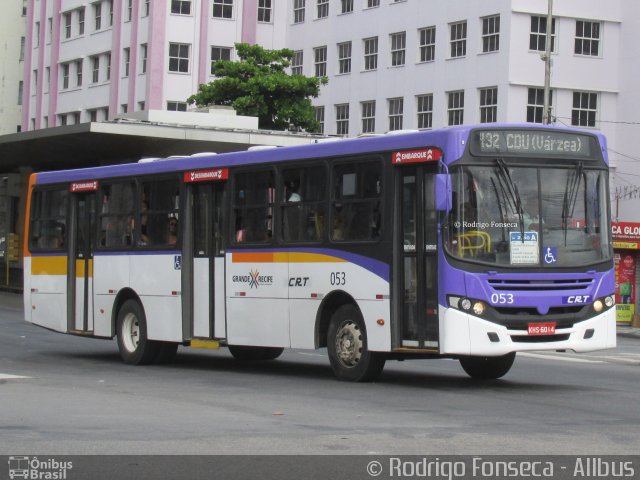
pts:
[550, 255]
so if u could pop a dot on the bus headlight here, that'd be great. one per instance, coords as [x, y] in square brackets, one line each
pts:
[468, 305]
[598, 306]
[478, 308]
[609, 301]
[465, 304]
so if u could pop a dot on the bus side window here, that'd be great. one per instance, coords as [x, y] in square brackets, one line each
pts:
[117, 215]
[47, 230]
[302, 203]
[253, 200]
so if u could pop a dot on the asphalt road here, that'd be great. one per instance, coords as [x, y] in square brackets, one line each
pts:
[63, 395]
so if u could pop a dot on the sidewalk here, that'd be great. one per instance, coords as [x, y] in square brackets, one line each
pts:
[628, 331]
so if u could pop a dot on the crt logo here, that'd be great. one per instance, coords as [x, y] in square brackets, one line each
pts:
[576, 299]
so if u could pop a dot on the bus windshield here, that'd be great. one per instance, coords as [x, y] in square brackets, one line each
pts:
[528, 215]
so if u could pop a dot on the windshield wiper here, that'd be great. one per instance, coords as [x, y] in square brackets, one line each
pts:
[512, 190]
[571, 197]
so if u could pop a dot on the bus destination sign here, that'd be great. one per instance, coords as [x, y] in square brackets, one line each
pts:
[531, 142]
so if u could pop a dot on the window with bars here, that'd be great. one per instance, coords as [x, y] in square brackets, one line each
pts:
[320, 61]
[67, 25]
[455, 108]
[427, 38]
[78, 73]
[373, 3]
[319, 117]
[396, 113]
[585, 109]
[368, 110]
[65, 76]
[370, 53]
[264, 11]
[297, 62]
[398, 48]
[95, 69]
[126, 55]
[489, 105]
[181, 7]
[81, 21]
[346, 6]
[144, 50]
[97, 16]
[538, 35]
[425, 110]
[322, 8]
[222, 8]
[535, 104]
[179, 57]
[177, 106]
[587, 38]
[219, 53]
[344, 57]
[491, 34]
[342, 119]
[298, 10]
[458, 39]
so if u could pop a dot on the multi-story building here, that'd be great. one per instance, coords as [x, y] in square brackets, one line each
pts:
[12, 51]
[391, 64]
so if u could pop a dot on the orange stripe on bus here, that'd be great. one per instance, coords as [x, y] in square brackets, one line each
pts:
[80, 268]
[55, 265]
[27, 216]
[283, 257]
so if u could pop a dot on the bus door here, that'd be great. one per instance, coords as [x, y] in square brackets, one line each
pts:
[203, 256]
[416, 263]
[82, 232]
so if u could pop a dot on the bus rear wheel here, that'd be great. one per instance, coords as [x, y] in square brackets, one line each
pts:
[487, 368]
[349, 355]
[253, 354]
[134, 346]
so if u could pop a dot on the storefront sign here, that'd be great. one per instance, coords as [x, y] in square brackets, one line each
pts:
[626, 235]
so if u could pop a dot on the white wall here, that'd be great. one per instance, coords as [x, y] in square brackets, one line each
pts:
[12, 28]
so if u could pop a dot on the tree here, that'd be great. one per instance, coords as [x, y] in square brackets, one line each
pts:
[258, 85]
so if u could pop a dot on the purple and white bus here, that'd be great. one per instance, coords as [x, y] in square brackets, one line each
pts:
[473, 242]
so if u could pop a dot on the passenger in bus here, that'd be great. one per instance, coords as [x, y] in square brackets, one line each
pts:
[172, 228]
[144, 235]
[338, 222]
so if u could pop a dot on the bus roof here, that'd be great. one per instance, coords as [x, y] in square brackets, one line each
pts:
[451, 140]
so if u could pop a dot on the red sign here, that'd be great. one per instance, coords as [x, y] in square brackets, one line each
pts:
[542, 328]
[84, 186]
[210, 175]
[625, 231]
[416, 156]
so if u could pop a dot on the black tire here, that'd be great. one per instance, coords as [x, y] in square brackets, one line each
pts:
[349, 355]
[487, 368]
[135, 348]
[254, 354]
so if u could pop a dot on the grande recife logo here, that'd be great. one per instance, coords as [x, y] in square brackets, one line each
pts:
[210, 175]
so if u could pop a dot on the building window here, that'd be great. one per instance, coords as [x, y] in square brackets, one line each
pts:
[141, 106]
[124, 108]
[535, 104]
[81, 21]
[489, 105]
[396, 112]
[110, 3]
[65, 76]
[296, 62]
[427, 44]
[36, 37]
[222, 8]
[371, 53]
[455, 108]
[264, 11]
[342, 119]
[319, 116]
[93, 115]
[129, 10]
[20, 91]
[146, 9]
[425, 111]
[298, 11]
[538, 35]
[344, 57]
[177, 106]
[587, 38]
[23, 42]
[320, 61]
[181, 7]
[108, 58]
[373, 3]
[585, 108]
[398, 45]
[97, 16]
[323, 8]
[95, 69]
[49, 31]
[78, 73]
[67, 25]
[219, 53]
[143, 58]
[179, 57]
[126, 54]
[346, 6]
[458, 39]
[368, 116]
[491, 34]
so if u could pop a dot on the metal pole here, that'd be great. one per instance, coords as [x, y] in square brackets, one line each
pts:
[546, 113]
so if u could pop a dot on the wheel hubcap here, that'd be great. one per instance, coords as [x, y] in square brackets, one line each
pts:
[131, 332]
[349, 344]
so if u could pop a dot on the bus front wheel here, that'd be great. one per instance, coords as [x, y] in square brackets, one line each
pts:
[349, 355]
[134, 346]
[487, 368]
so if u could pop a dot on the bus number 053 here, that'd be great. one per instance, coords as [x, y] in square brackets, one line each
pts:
[501, 298]
[338, 278]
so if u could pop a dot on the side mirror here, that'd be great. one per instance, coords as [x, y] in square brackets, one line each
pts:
[444, 197]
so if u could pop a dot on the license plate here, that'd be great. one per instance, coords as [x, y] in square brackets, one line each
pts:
[542, 328]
